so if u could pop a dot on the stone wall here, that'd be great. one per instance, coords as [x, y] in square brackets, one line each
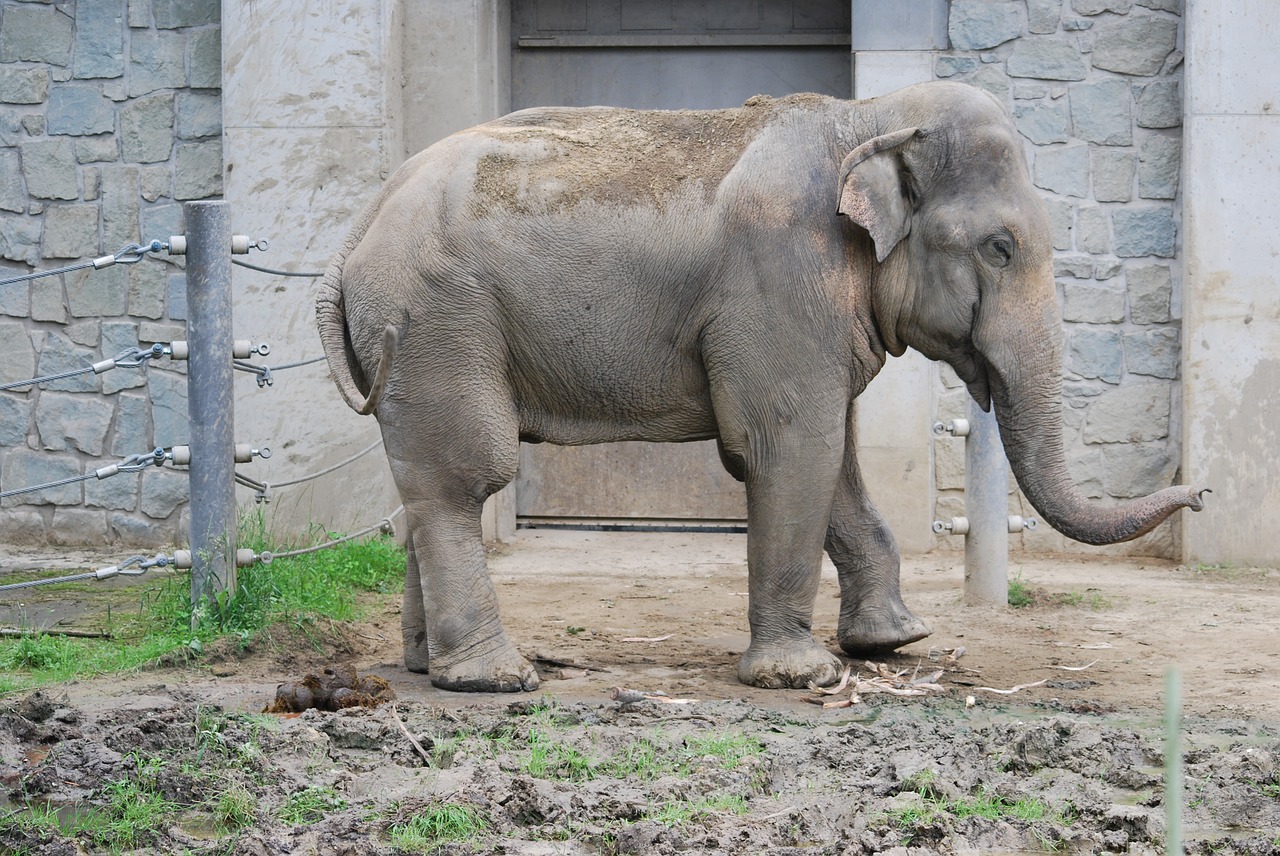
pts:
[110, 118]
[1095, 88]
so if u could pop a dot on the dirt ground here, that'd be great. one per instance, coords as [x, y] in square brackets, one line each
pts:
[1070, 764]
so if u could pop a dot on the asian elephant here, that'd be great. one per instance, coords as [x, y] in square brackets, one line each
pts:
[592, 275]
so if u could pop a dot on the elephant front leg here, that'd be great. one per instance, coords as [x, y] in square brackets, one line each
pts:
[787, 509]
[413, 616]
[873, 617]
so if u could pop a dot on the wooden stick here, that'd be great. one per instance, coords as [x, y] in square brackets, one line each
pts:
[79, 634]
[395, 717]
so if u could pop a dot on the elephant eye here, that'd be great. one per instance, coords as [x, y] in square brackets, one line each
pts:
[999, 249]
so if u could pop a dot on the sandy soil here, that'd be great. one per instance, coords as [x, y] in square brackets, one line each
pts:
[884, 775]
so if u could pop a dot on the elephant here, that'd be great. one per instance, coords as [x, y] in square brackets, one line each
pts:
[598, 274]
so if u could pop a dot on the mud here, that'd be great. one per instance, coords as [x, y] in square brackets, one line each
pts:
[699, 764]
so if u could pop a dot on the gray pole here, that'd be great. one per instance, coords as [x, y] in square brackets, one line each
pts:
[986, 504]
[210, 401]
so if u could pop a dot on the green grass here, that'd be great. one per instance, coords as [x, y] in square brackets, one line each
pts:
[438, 823]
[309, 805]
[983, 803]
[1020, 593]
[678, 814]
[298, 593]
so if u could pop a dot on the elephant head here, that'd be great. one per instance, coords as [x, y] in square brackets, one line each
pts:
[965, 276]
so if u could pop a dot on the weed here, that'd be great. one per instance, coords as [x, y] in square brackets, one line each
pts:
[309, 805]
[551, 759]
[731, 748]
[233, 807]
[982, 803]
[574, 630]
[681, 813]
[1020, 592]
[437, 824]
[37, 652]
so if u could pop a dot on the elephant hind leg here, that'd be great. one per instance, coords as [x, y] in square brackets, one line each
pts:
[413, 618]
[873, 616]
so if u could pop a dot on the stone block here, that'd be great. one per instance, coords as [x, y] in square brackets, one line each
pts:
[146, 129]
[86, 333]
[1097, 7]
[78, 526]
[24, 85]
[1150, 293]
[73, 422]
[161, 221]
[204, 69]
[1096, 353]
[98, 293]
[13, 191]
[949, 66]
[20, 238]
[1135, 45]
[173, 14]
[1043, 16]
[197, 170]
[147, 287]
[1074, 265]
[140, 13]
[156, 61]
[1076, 25]
[178, 296]
[99, 149]
[118, 492]
[1137, 469]
[1105, 269]
[1134, 413]
[993, 79]
[15, 419]
[15, 299]
[141, 532]
[10, 126]
[948, 464]
[1060, 221]
[1030, 91]
[1092, 304]
[1046, 58]
[1086, 469]
[117, 337]
[99, 39]
[1174, 6]
[156, 182]
[975, 25]
[58, 354]
[1043, 122]
[1159, 105]
[119, 206]
[1113, 173]
[1153, 353]
[169, 421]
[1093, 230]
[1159, 162]
[33, 124]
[92, 183]
[47, 300]
[131, 435]
[1063, 169]
[199, 114]
[71, 232]
[79, 110]
[33, 34]
[1144, 232]
[22, 526]
[163, 491]
[1100, 112]
[26, 468]
[49, 168]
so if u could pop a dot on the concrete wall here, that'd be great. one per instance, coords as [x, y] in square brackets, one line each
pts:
[109, 119]
[1232, 290]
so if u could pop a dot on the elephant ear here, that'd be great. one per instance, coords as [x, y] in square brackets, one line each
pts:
[872, 190]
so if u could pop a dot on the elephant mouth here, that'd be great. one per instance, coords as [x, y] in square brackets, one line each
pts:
[974, 371]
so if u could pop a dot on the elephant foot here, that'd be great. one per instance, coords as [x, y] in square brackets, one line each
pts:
[879, 630]
[503, 671]
[416, 656]
[788, 665]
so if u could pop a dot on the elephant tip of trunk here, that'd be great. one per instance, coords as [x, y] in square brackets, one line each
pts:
[1195, 497]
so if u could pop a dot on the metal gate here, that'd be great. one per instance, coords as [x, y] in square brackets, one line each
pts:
[660, 54]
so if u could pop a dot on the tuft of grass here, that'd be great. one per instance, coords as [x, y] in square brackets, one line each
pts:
[549, 758]
[731, 749]
[309, 805]
[1020, 593]
[439, 823]
[983, 803]
[677, 814]
[297, 592]
[233, 807]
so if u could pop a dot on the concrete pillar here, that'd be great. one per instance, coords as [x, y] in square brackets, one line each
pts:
[1231, 300]
[892, 48]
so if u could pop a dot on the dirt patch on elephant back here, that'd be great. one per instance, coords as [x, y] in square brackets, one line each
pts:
[553, 158]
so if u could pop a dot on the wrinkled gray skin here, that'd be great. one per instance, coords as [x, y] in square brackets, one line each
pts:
[580, 276]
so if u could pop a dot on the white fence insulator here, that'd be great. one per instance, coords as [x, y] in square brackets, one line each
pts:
[956, 428]
[954, 526]
[246, 453]
[179, 350]
[242, 244]
[177, 245]
[1018, 523]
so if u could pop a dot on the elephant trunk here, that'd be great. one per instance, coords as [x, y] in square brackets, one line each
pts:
[1028, 402]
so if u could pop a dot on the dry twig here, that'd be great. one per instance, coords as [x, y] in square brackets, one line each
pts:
[395, 717]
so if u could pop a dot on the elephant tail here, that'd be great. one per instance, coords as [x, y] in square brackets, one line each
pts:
[335, 335]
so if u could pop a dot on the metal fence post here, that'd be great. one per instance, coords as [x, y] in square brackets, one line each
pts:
[986, 501]
[210, 399]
